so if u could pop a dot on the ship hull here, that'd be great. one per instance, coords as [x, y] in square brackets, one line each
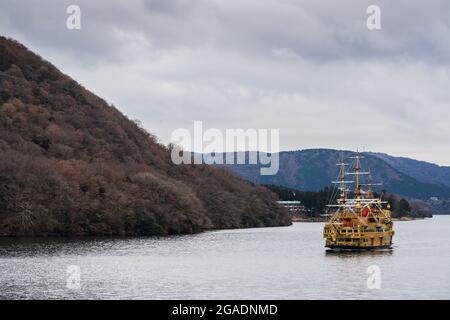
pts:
[357, 248]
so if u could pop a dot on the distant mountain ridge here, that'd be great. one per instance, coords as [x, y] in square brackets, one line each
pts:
[420, 170]
[313, 169]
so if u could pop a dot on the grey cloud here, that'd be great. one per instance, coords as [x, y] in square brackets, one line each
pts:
[310, 68]
[312, 29]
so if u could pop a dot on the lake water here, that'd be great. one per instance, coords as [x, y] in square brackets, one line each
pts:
[266, 263]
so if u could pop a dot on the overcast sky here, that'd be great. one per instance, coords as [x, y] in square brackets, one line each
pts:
[309, 68]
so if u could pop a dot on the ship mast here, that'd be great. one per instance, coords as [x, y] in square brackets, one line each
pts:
[357, 191]
[369, 184]
[343, 195]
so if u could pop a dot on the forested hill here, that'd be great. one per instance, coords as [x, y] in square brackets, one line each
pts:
[70, 164]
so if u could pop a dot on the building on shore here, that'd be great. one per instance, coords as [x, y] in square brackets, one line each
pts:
[294, 207]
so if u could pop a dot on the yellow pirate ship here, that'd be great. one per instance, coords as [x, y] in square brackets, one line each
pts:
[360, 220]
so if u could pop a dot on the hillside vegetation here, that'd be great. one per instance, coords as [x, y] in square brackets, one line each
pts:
[70, 164]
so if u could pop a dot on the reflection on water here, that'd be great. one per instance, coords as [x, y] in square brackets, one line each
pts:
[353, 254]
[267, 263]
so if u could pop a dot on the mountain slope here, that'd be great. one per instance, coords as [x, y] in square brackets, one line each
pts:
[420, 170]
[313, 169]
[70, 164]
